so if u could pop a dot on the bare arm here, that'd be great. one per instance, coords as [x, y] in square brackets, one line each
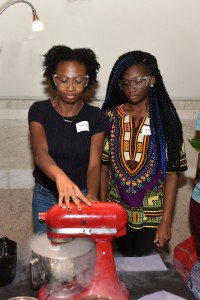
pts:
[104, 182]
[163, 234]
[93, 173]
[66, 188]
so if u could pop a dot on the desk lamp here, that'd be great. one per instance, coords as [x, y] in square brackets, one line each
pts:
[37, 25]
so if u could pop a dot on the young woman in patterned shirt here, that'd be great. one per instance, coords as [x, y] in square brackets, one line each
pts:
[143, 152]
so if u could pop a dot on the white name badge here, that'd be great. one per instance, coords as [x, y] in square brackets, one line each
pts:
[82, 126]
[146, 130]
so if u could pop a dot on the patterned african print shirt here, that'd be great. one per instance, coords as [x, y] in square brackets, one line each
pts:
[128, 150]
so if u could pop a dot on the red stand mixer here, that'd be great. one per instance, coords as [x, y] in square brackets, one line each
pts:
[99, 225]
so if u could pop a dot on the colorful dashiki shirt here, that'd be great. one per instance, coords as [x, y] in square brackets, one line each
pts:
[128, 150]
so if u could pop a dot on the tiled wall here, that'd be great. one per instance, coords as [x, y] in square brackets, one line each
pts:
[16, 165]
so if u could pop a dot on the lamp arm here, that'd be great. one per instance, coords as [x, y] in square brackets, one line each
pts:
[18, 1]
[36, 24]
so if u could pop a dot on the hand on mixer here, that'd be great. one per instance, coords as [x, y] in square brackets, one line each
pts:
[68, 190]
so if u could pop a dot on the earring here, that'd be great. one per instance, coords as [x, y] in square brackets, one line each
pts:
[151, 85]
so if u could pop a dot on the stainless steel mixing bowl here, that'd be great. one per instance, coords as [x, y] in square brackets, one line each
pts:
[64, 263]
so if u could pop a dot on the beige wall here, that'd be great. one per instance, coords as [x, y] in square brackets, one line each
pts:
[168, 29]
[16, 180]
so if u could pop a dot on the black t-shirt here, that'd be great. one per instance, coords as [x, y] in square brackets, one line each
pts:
[68, 143]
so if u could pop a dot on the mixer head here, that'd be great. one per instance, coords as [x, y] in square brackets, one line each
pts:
[101, 221]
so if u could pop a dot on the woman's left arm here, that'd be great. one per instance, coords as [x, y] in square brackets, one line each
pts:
[94, 167]
[163, 233]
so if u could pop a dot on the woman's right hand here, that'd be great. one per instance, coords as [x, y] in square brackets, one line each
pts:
[68, 190]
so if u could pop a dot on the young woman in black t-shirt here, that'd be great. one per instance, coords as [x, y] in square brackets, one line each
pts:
[66, 134]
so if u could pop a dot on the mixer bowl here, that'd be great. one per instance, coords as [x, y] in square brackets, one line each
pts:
[72, 261]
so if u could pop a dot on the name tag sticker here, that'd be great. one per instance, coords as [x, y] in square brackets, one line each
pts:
[82, 126]
[146, 130]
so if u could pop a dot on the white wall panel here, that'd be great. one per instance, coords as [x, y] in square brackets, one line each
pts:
[168, 29]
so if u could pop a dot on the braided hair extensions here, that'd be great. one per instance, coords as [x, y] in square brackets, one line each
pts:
[166, 128]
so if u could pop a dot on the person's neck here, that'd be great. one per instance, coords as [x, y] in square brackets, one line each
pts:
[136, 110]
[66, 109]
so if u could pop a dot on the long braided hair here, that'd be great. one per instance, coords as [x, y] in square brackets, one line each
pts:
[166, 128]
